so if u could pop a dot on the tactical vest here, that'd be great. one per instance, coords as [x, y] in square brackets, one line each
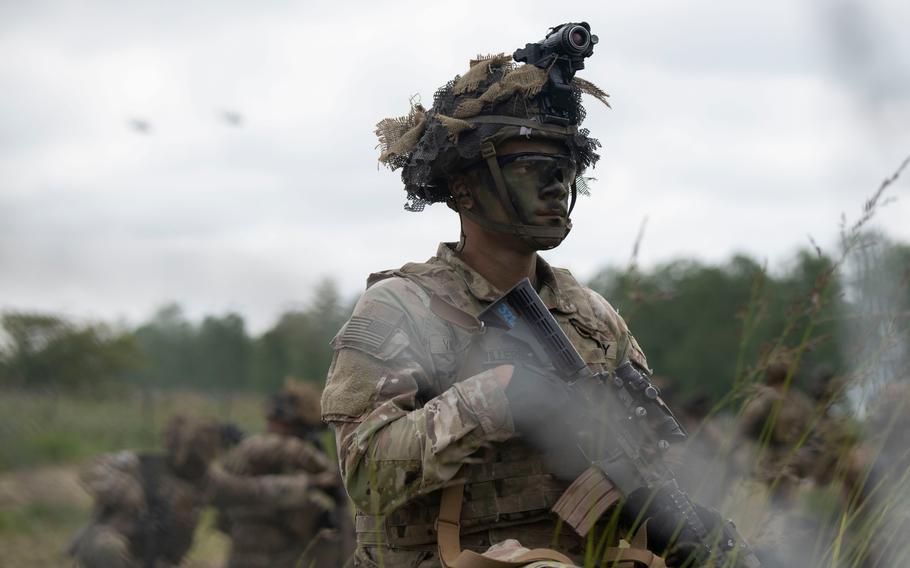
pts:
[509, 485]
[265, 539]
[165, 532]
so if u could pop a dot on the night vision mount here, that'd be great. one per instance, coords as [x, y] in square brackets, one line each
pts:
[561, 53]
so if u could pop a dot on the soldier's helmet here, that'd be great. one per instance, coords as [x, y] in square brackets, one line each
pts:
[496, 99]
[297, 404]
[191, 444]
[827, 386]
[777, 371]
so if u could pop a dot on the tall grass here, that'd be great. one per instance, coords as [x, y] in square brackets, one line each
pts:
[44, 437]
[844, 522]
[38, 428]
[839, 522]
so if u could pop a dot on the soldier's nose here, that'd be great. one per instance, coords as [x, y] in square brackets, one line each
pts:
[555, 190]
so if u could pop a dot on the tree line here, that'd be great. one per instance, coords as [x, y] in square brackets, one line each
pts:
[218, 353]
[704, 327]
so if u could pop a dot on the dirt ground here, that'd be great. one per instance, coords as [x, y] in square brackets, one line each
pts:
[42, 508]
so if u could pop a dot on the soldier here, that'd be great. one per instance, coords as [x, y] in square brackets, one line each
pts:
[777, 418]
[421, 399]
[280, 497]
[147, 505]
[826, 455]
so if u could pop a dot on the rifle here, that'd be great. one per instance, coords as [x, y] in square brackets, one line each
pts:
[154, 524]
[622, 427]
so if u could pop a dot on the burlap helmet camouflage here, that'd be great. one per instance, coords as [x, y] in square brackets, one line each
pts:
[779, 367]
[297, 403]
[191, 443]
[495, 100]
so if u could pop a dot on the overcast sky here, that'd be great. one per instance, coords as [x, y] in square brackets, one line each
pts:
[736, 127]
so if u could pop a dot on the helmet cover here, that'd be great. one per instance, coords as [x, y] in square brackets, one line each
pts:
[494, 100]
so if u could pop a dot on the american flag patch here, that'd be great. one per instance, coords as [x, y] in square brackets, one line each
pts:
[371, 327]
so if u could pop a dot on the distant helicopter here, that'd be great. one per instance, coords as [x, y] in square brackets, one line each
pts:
[232, 118]
[143, 126]
[140, 125]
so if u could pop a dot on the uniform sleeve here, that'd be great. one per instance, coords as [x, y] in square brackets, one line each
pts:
[269, 471]
[275, 454]
[113, 480]
[392, 445]
[276, 492]
[757, 411]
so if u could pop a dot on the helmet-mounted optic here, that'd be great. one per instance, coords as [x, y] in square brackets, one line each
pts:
[498, 98]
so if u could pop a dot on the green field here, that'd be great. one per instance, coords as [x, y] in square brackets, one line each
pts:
[45, 439]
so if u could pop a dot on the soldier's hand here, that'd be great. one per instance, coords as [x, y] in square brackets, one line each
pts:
[325, 479]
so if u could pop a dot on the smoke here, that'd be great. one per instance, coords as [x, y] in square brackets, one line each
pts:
[876, 335]
[876, 338]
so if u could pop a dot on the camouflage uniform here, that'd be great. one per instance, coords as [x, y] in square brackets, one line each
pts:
[826, 455]
[414, 405]
[778, 417]
[147, 505]
[281, 503]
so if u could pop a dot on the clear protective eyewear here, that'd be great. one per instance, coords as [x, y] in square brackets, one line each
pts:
[538, 168]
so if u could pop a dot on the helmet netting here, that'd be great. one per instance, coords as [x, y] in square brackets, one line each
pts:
[444, 146]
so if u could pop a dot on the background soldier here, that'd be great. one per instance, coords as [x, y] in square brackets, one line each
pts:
[418, 397]
[280, 497]
[826, 456]
[777, 418]
[147, 505]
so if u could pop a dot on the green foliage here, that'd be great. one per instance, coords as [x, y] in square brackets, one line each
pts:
[213, 355]
[167, 340]
[36, 517]
[298, 345]
[222, 353]
[219, 354]
[41, 428]
[700, 325]
[48, 351]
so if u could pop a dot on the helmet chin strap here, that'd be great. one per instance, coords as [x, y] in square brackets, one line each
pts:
[537, 237]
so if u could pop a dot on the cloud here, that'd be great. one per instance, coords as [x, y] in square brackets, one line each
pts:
[728, 131]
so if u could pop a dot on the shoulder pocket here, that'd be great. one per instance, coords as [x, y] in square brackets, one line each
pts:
[374, 329]
[595, 346]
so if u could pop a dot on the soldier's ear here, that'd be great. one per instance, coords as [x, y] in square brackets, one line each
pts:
[462, 197]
